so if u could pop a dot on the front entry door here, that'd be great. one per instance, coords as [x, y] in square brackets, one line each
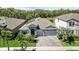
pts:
[32, 32]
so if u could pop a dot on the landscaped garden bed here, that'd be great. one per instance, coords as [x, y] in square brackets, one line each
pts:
[21, 40]
[67, 37]
[76, 43]
[16, 43]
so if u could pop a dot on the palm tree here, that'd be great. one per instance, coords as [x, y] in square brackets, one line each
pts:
[21, 38]
[6, 35]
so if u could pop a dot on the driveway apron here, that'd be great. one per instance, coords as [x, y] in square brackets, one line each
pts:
[48, 41]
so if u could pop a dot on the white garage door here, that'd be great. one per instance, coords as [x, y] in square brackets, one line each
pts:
[49, 33]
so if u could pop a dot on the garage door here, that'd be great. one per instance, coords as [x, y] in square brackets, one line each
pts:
[39, 33]
[49, 33]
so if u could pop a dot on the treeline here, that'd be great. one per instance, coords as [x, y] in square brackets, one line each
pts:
[23, 14]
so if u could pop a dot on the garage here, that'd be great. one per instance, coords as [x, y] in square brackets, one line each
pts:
[39, 33]
[46, 32]
[49, 33]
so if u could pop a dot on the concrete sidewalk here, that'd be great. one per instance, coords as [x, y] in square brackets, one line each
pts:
[16, 48]
[71, 48]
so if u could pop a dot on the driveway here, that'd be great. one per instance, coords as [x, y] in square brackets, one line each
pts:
[48, 41]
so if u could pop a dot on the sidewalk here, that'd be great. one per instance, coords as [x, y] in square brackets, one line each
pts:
[16, 49]
[43, 49]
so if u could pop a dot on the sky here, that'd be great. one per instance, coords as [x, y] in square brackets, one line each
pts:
[46, 8]
[40, 4]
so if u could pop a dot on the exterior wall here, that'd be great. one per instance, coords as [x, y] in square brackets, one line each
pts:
[59, 23]
[29, 32]
[25, 31]
[40, 32]
[77, 30]
[73, 27]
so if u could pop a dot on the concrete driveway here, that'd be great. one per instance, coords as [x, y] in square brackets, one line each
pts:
[48, 41]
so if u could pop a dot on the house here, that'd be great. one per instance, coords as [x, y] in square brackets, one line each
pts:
[11, 24]
[39, 27]
[69, 21]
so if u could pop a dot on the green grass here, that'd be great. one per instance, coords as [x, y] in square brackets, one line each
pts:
[73, 44]
[16, 43]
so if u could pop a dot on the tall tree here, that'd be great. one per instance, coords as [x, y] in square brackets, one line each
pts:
[6, 35]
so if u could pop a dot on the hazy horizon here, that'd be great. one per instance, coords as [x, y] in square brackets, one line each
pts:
[46, 8]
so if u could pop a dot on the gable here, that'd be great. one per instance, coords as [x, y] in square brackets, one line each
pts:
[73, 20]
[69, 16]
[32, 26]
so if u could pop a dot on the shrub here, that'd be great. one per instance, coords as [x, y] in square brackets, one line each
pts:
[76, 37]
[66, 35]
[29, 37]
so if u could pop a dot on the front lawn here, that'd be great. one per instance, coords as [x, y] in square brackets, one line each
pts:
[76, 43]
[16, 43]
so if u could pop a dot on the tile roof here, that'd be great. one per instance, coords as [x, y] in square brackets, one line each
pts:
[69, 16]
[43, 23]
[11, 23]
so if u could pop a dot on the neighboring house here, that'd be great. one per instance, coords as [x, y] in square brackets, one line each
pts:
[42, 26]
[39, 27]
[68, 21]
[11, 24]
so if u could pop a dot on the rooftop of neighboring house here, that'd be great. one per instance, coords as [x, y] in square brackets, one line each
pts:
[43, 23]
[69, 16]
[11, 23]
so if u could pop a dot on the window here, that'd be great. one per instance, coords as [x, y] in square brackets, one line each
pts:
[71, 23]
